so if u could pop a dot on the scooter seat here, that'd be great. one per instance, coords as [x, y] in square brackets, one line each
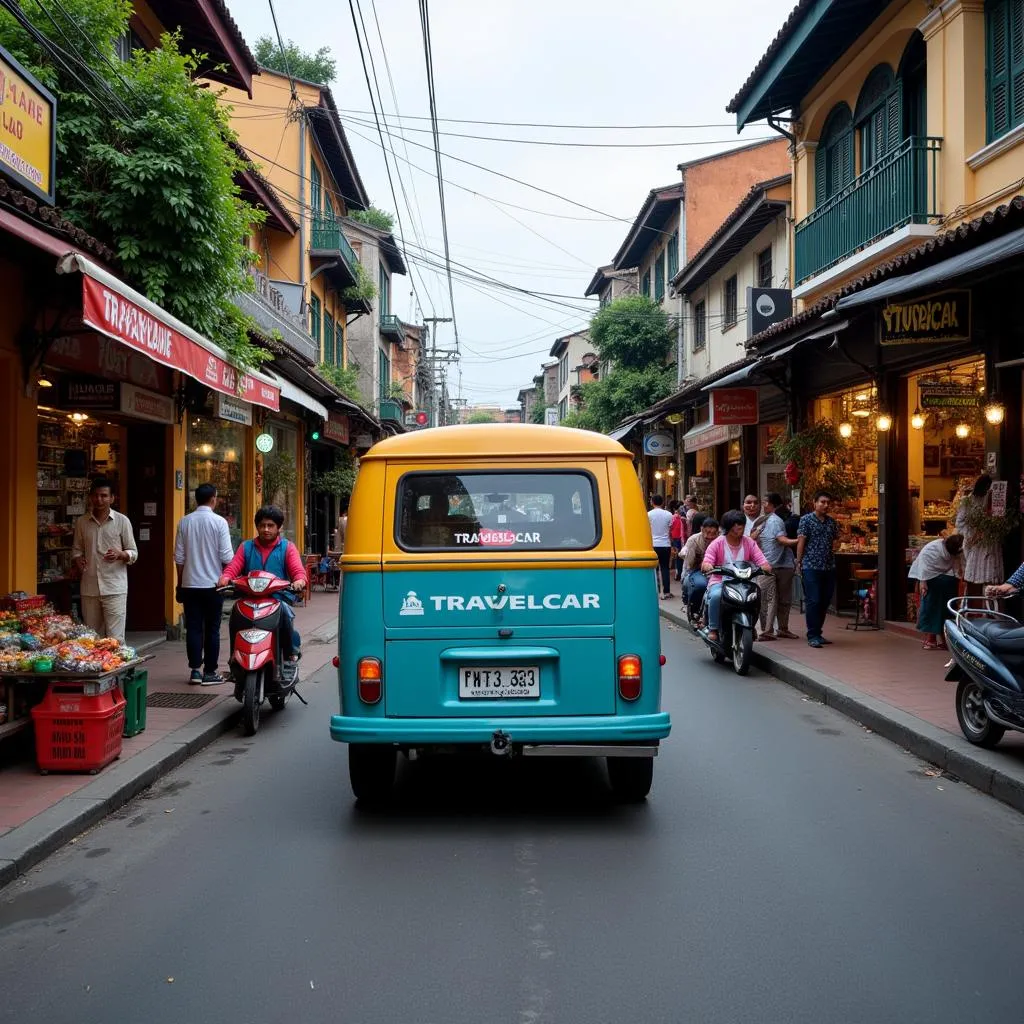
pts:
[998, 637]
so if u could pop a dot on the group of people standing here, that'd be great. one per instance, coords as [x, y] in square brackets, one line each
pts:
[767, 533]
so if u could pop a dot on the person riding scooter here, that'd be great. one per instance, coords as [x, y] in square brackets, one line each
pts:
[731, 547]
[272, 553]
[1011, 586]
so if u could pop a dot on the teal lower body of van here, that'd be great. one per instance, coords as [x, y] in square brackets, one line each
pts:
[527, 662]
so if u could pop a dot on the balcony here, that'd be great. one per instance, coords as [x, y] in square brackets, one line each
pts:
[391, 410]
[391, 325]
[329, 248]
[900, 190]
[268, 306]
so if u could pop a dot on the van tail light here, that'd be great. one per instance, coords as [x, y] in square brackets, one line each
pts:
[630, 677]
[370, 680]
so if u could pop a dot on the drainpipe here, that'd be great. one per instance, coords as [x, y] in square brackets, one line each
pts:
[303, 128]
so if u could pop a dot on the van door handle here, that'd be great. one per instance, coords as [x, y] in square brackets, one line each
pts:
[485, 654]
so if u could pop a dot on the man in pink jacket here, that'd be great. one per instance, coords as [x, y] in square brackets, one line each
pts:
[731, 547]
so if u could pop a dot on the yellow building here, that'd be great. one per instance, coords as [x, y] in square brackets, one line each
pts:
[905, 121]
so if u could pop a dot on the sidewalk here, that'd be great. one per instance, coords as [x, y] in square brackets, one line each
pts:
[39, 813]
[887, 683]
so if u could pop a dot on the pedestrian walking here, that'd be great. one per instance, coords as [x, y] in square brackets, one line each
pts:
[661, 524]
[690, 506]
[340, 529]
[816, 562]
[776, 589]
[202, 547]
[678, 534]
[983, 554]
[102, 549]
[752, 511]
[938, 568]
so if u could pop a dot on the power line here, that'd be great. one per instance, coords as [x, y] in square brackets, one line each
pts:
[429, 58]
[284, 53]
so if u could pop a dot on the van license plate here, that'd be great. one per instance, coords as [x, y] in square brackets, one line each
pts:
[499, 682]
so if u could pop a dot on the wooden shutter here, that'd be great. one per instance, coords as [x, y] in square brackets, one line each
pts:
[820, 175]
[997, 68]
[339, 345]
[1016, 47]
[894, 118]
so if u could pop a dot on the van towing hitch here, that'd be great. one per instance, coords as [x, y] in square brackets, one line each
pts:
[501, 743]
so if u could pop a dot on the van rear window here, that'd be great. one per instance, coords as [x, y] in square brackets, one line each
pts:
[540, 511]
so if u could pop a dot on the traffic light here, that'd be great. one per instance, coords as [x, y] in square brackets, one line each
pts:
[422, 419]
[314, 435]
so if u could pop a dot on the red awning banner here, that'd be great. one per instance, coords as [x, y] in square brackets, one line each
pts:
[112, 308]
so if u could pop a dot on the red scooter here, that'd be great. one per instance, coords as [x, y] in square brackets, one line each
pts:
[258, 668]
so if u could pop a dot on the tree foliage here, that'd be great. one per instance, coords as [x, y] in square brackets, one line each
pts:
[480, 417]
[319, 67]
[374, 217]
[622, 393]
[145, 163]
[364, 290]
[632, 333]
[345, 379]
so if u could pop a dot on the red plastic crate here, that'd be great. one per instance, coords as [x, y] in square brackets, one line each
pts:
[22, 604]
[76, 732]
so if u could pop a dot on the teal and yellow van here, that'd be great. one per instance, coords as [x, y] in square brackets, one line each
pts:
[498, 594]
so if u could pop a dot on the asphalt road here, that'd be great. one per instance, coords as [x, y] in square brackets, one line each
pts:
[788, 867]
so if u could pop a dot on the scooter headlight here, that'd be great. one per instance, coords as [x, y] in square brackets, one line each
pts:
[257, 584]
[742, 573]
[254, 636]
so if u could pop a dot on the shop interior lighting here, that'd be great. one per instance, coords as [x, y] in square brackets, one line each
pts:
[862, 397]
[995, 412]
[883, 422]
[78, 417]
[917, 420]
[206, 449]
[43, 381]
[862, 412]
[657, 474]
[845, 429]
[671, 471]
[963, 431]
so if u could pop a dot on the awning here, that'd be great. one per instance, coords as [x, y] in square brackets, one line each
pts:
[299, 397]
[621, 431]
[119, 312]
[978, 258]
[41, 239]
[707, 435]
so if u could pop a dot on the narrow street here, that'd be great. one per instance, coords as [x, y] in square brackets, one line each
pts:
[789, 866]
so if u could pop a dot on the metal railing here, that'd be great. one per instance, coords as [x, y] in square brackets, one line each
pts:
[901, 189]
[390, 410]
[390, 324]
[328, 236]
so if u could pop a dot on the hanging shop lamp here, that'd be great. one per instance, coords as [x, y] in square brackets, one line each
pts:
[963, 431]
[845, 429]
[995, 412]
[917, 419]
[883, 421]
[657, 474]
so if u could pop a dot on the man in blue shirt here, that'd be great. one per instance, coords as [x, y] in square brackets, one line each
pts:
[1011, 586]
[815, 543]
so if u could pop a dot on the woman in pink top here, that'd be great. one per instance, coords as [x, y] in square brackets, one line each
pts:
[731, 547]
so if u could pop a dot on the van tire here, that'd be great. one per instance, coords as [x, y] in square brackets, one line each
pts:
[371, 772]
[631, 778]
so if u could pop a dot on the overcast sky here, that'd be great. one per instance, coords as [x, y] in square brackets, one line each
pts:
[656, 62]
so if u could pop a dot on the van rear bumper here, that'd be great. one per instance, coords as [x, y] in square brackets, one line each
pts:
[567, 730]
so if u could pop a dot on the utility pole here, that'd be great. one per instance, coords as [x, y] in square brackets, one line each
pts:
[435, 411]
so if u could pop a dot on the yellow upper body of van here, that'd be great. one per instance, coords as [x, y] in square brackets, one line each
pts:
[370, 541]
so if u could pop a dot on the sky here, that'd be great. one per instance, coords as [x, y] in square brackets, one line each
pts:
[550, 62]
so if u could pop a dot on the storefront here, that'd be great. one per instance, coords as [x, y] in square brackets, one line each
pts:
[713, 465]
[332, 468]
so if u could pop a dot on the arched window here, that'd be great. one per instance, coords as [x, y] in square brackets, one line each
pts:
[833, 161]
[913, 73]
[879, 117]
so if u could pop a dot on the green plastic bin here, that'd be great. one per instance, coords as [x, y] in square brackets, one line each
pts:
[133, 686]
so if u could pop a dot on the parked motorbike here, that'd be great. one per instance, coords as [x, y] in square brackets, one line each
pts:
[258, 669]
[739, 614]
[987, 664]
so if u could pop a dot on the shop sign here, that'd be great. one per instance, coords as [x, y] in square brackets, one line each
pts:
[998, 492]
[944, 316]
[734, 407]
[659, 443]
[336, 428]
[120, 318]
[104, 357]
[89, 393]
[363, 441]
[226, 407]
[948, 397]
[708, 436]
[146, 405]
[29, 124]
[265, 443]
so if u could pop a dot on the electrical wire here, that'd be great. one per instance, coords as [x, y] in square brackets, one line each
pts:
[284, 53]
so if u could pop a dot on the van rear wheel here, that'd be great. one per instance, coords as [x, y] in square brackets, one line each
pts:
[631, 778]
[371, 772]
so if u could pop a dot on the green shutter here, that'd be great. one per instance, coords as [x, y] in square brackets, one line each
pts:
[314, 319]
[1016, 27]
[315, 190]
[820, 175]
[894, 117]
[339, 345]
[997, 68]
[328, 339]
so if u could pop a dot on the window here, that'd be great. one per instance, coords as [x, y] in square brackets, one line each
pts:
[384, 372]
[384, 304]
[1004, 66]
[659, 277]
[316, 192]
[764, 268]
[339, 344]
[329, 340]
[314, 319]
[483, 511]
[729, 310]
[127, 43]
[672, 255]
[563, 371]
[700, 326]
[879, 116]
[833, 160]
[645, 287]
[563, 409]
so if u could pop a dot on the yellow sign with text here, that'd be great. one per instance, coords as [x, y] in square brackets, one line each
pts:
[27, 129]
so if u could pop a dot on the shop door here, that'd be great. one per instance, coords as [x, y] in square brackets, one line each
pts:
[145, 466]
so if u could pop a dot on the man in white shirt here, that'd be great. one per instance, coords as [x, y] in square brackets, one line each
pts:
[202, 548]
[752, 510]
[102, 550]
[661, 524]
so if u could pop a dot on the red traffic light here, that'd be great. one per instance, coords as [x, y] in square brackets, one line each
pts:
[422, 419]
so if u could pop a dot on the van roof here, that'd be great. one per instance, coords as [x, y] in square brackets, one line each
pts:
[484, 439]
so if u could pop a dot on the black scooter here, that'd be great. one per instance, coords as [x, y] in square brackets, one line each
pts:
[988, 668]
[739, 614]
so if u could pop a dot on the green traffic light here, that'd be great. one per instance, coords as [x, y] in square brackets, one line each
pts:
[315, 435]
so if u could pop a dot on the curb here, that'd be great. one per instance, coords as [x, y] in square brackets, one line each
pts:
[984, 770]
[25, 846]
